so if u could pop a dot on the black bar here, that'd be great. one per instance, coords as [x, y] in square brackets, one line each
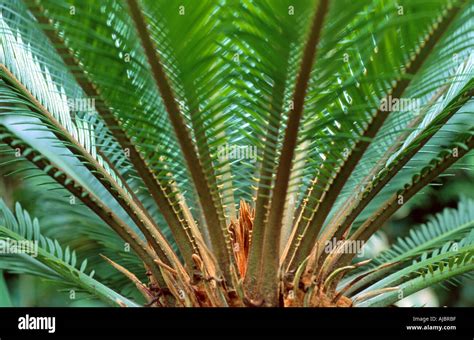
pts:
[146, 323]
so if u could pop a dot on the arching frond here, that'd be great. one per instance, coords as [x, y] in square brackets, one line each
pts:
[46, 258]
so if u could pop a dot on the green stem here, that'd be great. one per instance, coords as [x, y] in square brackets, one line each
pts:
[215, 224]
[271, 246]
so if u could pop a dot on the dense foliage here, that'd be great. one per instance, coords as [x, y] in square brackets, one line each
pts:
[234, 153]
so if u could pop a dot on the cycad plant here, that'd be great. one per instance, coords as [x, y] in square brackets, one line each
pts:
[234, 153]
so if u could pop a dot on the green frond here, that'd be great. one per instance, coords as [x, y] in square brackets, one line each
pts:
[78, 136]
[450, 226]
[325, 190]
[46, 258]
[442, 264]
[164, 196]
[87, 197]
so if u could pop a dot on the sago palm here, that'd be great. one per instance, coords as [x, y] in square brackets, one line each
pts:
[235, 153]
